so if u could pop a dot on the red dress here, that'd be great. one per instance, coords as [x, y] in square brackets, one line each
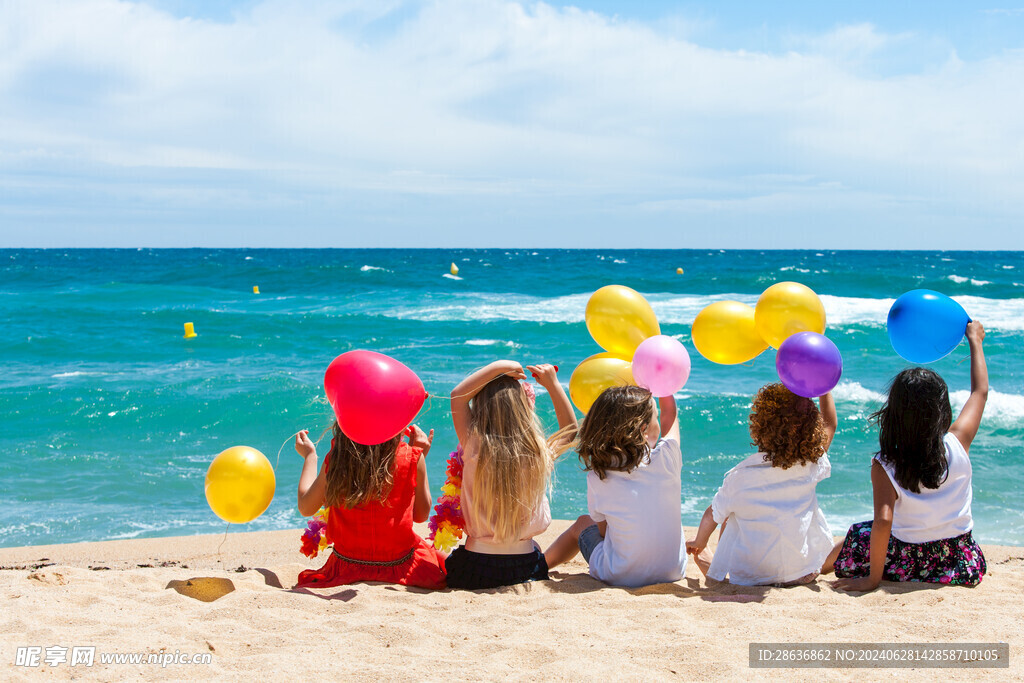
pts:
[375, 541]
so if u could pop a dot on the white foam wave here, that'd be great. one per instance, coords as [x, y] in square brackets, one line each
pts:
[853, 392]
[367, 269]
[1001, 410]
[451, 277]
[997, 314]
[491, 342]
[959, 279]
[80, 373]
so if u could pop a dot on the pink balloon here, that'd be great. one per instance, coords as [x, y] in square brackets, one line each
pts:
[374, 396]
[661, 365]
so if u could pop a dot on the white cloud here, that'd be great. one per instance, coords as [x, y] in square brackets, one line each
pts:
[488, 96]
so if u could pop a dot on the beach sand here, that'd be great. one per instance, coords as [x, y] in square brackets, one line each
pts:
[231, 598]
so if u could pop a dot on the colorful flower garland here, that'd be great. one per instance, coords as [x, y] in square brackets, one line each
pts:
[314, 538]
[447, 523]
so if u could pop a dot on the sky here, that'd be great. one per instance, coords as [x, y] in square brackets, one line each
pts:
[489, 123]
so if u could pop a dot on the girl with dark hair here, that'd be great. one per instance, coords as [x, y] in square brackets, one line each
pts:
[633, 535]
[921, 478]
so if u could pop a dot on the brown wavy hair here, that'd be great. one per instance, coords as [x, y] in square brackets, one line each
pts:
[613, 437]
[787, 428]
[514, 461]
[358, 474]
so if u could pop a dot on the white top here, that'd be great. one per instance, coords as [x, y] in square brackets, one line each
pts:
[644, 541]
[935, 514]
[776, 532]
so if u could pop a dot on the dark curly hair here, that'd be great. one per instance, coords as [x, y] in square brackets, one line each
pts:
[911, 425]
[787, 428]
[613, 435]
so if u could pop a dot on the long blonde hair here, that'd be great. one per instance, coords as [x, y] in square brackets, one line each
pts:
[513, 461]
[358, 474]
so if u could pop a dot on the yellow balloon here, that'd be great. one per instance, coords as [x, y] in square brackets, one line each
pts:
[594, 375]
[724, 333]
[619, 318]
[240, 484]
[787, 308]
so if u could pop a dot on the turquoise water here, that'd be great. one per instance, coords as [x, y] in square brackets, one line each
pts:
[111, 417]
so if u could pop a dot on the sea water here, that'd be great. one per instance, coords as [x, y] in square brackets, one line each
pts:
[111, 417]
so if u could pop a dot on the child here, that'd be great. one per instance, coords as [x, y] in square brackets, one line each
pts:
[506, 469]
[773, 532]
[633, 535]
[374, 493]
[921, 478]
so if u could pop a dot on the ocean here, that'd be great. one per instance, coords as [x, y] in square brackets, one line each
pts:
[111, 417]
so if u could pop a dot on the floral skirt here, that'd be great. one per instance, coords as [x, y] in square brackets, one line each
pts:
[957, 561]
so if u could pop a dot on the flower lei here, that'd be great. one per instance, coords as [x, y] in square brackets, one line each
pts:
[447, 523]
[314, 538]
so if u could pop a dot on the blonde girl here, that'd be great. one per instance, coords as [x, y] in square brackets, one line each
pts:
[506, 470]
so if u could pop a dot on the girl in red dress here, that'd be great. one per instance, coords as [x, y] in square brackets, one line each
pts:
[374, 493]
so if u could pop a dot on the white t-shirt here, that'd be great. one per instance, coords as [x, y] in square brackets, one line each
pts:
[644, 541]
[776, 532]
[935, 514]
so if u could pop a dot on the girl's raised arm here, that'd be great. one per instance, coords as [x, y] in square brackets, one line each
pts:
[469, 387]
[668, 418]
[312, 488]
[828, 416]
[547, 377]
[966, 426]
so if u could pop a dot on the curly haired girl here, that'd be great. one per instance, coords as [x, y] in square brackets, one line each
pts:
[776, 534]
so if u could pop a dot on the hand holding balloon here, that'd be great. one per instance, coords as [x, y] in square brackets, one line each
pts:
[303, 445]
[975, 332]
[419, 439]
[545, 374]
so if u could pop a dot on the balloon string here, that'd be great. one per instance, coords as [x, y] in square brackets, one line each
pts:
[223, 539]
[286, 441]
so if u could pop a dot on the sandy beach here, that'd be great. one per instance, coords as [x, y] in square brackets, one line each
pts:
[232, 598]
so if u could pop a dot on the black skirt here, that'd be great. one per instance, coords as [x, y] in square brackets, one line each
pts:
[469, 570]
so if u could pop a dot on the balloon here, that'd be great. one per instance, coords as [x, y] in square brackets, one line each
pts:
[374, 396]
[240, 484]
[594, 375]
[809, 364]
[925, 326]
[787, 308]
[661, 365]
[724, 333]
[619, 318]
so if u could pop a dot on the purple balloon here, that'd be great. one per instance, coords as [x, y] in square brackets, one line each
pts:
[809, 364]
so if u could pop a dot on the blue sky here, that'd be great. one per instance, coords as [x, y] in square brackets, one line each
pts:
[491, 123]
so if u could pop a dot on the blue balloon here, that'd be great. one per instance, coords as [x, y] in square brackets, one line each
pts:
[809, 364]
[925, 326]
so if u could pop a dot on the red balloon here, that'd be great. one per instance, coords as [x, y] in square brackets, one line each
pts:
[374, 396]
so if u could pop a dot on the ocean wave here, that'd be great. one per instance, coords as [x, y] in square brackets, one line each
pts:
[451, 277]
[854, 392]
[78, 373]
[959, 279]
[491, 342]
[1001, 410]
[997, 314]
[367, 269]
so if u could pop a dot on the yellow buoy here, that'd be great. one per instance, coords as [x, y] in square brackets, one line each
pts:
[454, 269]
[679, 271]
[190, 331]
[255, 289]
